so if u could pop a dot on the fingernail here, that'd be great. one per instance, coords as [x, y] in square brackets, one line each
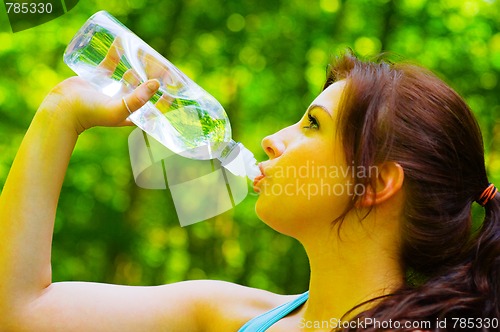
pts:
[153, 85]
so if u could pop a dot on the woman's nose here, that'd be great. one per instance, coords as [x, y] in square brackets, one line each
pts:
[273, 145]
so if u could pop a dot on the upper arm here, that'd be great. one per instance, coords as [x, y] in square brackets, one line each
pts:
[81, 306]
[201, 305]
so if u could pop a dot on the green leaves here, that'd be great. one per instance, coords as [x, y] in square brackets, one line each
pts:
[265, 62]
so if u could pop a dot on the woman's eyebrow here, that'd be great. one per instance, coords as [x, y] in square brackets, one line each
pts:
[310, 108]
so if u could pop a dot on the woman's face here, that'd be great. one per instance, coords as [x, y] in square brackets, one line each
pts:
[306, 180]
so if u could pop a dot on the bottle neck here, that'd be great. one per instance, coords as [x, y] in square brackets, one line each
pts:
[226, 151]
[240, 161]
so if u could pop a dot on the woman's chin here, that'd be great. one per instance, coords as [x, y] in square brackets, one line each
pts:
[260, 209]
[273, 216]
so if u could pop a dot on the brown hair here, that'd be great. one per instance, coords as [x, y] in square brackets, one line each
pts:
[404, 113]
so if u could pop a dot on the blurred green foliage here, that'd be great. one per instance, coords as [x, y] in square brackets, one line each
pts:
[265, 61]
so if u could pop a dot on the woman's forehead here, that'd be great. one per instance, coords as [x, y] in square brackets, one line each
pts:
[330, 97]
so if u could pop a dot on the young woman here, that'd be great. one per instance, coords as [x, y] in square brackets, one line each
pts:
[376, 180]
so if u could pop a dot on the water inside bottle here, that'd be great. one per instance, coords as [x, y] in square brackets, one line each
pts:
[186, 129]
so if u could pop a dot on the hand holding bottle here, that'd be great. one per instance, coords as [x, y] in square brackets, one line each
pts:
[82, 106]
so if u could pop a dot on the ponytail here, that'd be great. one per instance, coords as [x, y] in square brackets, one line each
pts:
[486, 261]
[467, 292]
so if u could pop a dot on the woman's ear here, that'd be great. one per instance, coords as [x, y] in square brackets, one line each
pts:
[388, 181]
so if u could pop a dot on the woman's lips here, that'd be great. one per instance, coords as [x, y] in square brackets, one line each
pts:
[256, 183]
[258, 179]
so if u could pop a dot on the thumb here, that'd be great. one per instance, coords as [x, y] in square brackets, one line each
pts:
[141, 95]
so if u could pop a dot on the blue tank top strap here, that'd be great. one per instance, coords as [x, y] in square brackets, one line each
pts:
[263, 322]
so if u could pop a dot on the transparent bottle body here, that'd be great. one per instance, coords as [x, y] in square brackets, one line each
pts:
[181, 115]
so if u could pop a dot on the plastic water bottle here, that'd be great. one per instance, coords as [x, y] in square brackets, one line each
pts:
[181, 115]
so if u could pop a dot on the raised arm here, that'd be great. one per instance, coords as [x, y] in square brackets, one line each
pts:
[28, 299]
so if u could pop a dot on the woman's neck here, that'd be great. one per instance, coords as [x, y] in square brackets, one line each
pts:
[345, 273]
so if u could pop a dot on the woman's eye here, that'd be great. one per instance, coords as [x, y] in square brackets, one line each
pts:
[313, 123]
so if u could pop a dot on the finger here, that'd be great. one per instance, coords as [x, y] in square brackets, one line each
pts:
[124, 123]
[155, 68]
[163, 104]
[131, 78]
[140, 96]
[113, 57]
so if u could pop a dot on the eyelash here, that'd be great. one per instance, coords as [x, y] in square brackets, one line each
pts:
[313, 123]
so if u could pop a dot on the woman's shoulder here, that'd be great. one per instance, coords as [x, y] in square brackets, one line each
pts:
[225, 306]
